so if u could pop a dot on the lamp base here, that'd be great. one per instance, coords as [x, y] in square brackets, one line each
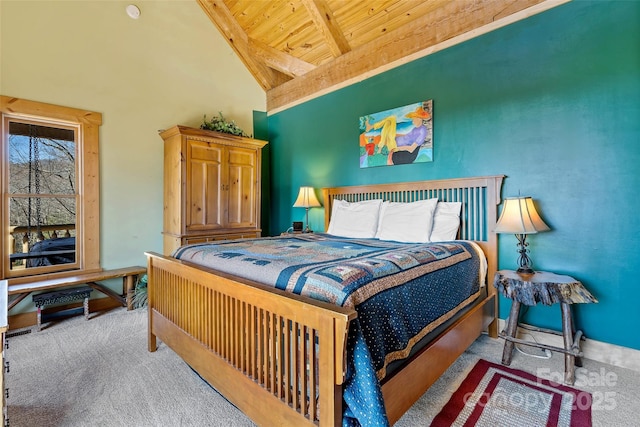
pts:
[306, 227]
[523, 260]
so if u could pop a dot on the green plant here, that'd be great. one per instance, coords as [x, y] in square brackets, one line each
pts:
[140, 293]
[220, 124]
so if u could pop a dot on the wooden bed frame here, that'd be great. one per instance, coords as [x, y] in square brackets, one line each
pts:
[254, 344]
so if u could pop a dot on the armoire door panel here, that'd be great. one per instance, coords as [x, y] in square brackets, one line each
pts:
[242, 187]
[242, 196]
[205, 186]
[213, 195]
[242, 156]
[204, 194]
[205, 152]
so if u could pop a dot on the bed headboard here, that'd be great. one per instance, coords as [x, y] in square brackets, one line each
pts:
[480, 197]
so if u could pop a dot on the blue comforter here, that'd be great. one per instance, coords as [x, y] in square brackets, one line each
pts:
[400, 291]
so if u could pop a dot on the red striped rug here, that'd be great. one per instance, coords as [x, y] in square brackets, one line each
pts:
[495, 395]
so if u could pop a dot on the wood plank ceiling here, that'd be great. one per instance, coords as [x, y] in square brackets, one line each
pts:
[299, 49]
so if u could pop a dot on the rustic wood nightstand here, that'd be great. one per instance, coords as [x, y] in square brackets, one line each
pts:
[546, 288]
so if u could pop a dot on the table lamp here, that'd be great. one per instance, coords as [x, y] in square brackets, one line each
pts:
[307, 199]
[519, 216]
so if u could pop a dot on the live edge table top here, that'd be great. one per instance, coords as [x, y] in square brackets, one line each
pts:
[541, 287]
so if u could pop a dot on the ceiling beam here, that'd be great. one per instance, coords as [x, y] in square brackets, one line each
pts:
[323, 19]
[454, 23]
[223, 19]
[280, 61]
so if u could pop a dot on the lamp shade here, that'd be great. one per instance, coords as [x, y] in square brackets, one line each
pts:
[306, 198]
[519, 216]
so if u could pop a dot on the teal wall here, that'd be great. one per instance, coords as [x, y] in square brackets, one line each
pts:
[552, 102]
[261, 131]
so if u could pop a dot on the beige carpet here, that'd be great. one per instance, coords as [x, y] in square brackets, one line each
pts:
[99, 373]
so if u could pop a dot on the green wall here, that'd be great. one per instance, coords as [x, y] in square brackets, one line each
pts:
[169, 67]
[552, 102]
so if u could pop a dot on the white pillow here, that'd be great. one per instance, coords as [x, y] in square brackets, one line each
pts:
[356, 219]
[446, 221]
[406, 222]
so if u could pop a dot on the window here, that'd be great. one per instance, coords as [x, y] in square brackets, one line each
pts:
[50, 188]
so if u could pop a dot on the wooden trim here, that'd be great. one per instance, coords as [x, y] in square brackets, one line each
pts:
[87, 124]
[207, 135]
[41, 110]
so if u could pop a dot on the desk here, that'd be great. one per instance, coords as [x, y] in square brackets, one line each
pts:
[546, 288]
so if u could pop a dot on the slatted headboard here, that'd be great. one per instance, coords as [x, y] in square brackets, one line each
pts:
[480, 197]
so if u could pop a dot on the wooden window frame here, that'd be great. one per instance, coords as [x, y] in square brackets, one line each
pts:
[87, 124]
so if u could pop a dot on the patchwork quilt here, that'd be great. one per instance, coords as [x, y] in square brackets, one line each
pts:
[400, 291]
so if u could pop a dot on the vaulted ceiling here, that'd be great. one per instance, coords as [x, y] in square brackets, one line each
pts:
[299, 49]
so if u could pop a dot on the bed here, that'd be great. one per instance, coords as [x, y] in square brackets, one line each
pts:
[282, 357]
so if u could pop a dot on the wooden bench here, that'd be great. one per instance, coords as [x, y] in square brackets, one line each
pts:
[129, 278]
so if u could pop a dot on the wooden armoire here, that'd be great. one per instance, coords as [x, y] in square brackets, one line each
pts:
[211, 186]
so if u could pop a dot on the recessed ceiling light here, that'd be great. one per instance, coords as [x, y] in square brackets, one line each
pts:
[133, 11]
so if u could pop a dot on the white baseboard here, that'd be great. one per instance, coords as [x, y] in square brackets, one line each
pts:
[612, 354]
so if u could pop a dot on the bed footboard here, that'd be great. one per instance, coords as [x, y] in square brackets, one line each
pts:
[279, 358]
